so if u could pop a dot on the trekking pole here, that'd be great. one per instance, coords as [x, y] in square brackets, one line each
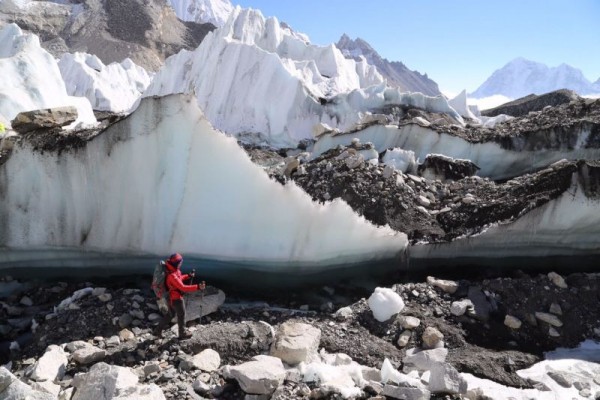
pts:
[201, 303]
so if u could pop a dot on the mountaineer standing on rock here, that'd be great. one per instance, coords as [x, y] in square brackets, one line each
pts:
[175, 287]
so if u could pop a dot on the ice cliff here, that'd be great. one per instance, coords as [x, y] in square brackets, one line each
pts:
[164, 180]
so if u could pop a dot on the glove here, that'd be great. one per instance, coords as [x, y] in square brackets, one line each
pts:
[201, 286]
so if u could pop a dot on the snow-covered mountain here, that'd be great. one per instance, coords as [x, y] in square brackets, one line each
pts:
[215, 12]
[396, 73]
[522, 77]
[146, 31]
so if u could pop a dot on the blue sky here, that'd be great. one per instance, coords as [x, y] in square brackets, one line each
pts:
[457, 43]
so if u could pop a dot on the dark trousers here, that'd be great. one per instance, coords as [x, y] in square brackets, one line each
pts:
[176, 307]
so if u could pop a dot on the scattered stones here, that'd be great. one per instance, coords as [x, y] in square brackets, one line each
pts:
[125, 320]
[105, 297]
[405, 393]
[11, 388]
[126, 334]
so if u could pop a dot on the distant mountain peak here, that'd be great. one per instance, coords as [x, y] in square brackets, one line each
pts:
[521, 77]
[395, 72]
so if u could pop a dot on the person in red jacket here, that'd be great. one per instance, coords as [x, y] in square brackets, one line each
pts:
[176, 288]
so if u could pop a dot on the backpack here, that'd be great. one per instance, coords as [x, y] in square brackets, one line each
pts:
[159, 280]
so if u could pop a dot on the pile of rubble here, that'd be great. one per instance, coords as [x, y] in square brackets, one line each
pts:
[411, 341]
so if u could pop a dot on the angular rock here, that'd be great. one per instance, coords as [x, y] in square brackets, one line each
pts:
[45, 386]
[445, 379]
[207, 360]
[343, 313]
[262, 375]
[296, 342]
[404, 338]
[11, 388]
[126, 335]
[408, 322]
[405, 393]
[104, 382]
[460, 307]
[431, 338]
[89, 355]
[555, 309]
[198, 305]
[422, 360]
[76, 345]
[354, 161]
[51, 365]
[561, 378]
[445, 285]
[45, 118]
[557, 280]
[437, 166]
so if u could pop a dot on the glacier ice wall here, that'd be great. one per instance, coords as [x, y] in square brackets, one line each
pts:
[114, 87]
[493, 160]
[254, 77]
[31, 78]
[164, 180]
[567, 225]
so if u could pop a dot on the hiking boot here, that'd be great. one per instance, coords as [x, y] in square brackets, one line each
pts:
[185, 335]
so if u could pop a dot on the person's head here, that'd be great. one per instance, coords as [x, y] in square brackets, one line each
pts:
[174, 261]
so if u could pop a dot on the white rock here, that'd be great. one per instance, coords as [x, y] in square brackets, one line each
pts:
[262, 375]
[424, 201]
[344, 313]
[445, 285]
[460, 307]
[76, 345]
[198, 305]
[46, 386]
[384, 303]
[207, 360]
[552, 332]
[512, 322]
[296, 342]
[66, 394]
[405, 393]
[404, 338]
[446, 379]
[557, 280]
[104, 382]
[422, 360]
[51, 365]
[113, 341]
[11, 388]
[126, 335]
[104, 297]
[408, 322]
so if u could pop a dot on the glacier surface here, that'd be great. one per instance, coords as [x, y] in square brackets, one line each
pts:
[31, 79]
[115, 87]
[494, 161]
[163, 180]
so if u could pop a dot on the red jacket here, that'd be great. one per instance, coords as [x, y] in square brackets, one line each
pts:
[175, 284]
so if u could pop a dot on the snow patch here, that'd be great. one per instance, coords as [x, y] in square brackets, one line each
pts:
[384, 303]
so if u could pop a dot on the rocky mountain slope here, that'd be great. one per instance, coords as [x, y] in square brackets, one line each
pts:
[214, 12]
[522, 77]
[396, 73]
[527, 104]
[145, 31]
